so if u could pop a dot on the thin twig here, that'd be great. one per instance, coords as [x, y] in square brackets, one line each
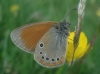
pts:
[81, 7]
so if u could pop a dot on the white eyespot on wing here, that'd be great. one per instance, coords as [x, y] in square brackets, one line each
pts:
[41, 45]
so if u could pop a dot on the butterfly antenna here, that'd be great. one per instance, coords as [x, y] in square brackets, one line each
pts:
[69, 13]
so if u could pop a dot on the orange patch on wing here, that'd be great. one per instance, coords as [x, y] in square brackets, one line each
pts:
[32, 34]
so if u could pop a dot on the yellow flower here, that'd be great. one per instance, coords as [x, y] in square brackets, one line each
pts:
[14, 8]
[98, 12]
[80, 50]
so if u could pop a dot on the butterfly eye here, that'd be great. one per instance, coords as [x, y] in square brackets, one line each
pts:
[41, 45]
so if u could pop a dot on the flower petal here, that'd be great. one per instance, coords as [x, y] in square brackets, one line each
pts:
[80, 50]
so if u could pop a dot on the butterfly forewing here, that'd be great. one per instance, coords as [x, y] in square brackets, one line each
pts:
[26, 37]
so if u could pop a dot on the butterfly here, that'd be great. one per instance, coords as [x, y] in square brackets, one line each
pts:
[46, 40]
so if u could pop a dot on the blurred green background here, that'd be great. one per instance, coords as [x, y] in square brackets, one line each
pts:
[15, 13]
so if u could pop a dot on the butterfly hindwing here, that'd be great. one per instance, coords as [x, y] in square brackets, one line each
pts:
[51, 49]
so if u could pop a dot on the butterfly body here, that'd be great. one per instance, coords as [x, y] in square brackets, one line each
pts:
[49, 46]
